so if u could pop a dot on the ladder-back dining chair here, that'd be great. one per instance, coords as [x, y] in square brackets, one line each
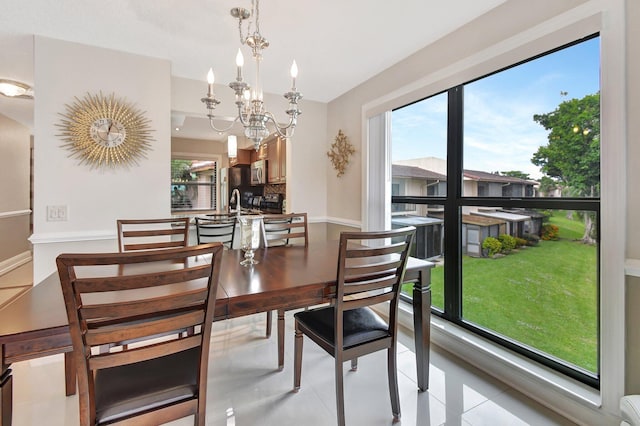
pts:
[371, 267]
[139, 295]
[283, 230]
[151, 234]
[216, 228]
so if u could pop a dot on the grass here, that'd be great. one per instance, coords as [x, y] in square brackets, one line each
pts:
[544, 297]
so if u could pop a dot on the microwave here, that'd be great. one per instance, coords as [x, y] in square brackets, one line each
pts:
[259, 172]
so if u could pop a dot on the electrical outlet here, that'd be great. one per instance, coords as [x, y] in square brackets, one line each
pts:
[56, 213]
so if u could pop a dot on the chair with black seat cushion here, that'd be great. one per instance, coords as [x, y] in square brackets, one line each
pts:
[140, 295]
[151, 234]
[219, 228]
[286, 229]
[371, 267]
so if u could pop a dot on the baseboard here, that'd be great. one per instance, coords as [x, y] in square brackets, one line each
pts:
[14, 262]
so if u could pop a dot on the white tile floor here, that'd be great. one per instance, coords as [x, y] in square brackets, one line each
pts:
[245, 388]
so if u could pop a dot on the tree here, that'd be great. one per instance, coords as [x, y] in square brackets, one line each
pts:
[572, 155]
[548, 185]
[516, 174]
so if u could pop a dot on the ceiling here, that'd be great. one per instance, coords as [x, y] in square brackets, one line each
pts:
[337, 44]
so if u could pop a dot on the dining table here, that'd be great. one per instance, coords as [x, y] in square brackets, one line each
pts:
[35, 324]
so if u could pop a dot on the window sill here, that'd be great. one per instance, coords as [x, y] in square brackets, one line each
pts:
[572, 399]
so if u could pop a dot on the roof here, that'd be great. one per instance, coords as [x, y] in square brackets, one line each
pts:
[403, 171]
[415, 220]
[494, 177]
[399, 170]
[481, 220]
[511, 217]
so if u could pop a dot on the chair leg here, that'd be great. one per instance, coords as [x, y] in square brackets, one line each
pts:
[392, 372]
[269, 323]
[339, 391]
[297, 359]
[354, 364]
[280, 339]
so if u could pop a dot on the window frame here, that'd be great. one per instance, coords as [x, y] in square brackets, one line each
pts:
[215, 186]
[455, 201]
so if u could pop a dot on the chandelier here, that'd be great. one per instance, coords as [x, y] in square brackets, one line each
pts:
[251, 110]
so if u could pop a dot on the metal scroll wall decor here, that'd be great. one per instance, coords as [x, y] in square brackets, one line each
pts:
[341, 151]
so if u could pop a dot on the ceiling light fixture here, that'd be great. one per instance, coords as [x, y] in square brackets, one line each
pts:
[251, 111]
[232, 146]
[15, 89]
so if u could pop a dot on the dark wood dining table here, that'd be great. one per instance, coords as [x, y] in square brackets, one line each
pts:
[35, 324]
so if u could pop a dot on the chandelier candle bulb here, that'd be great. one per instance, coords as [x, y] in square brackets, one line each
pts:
[294, 74]
[239, 64]
[210, 80]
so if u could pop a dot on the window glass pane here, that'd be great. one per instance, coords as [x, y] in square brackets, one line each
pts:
[538, 288]
[419, 148]
[534, 129]
[193, 185]
[419, 169]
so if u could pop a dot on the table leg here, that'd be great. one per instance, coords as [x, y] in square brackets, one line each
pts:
[280, 339]
[6, 392]
[269, 322]
[69, 374]
[422, 325]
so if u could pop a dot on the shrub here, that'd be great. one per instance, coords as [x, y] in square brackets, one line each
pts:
[508, 242]
[550, 232]
[492, 246]
[532, 239]
[520, 242]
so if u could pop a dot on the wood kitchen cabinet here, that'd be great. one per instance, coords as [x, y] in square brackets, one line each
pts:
[277, 160]
[243, 158]
[260, 154]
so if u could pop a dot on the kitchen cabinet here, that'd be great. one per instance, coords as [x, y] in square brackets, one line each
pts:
[277, 160]
[260, 154]
[242, 159]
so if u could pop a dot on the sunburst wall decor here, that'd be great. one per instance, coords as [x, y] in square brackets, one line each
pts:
[340, 152]
[105, 131]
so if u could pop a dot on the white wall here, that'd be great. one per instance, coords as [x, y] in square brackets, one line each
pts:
[94, 198]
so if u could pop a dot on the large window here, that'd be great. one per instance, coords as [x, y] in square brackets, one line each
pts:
[518, 152]
[193, 185]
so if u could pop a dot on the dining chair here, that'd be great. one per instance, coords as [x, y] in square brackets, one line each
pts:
[216, 228]
[371, 267]
[283, 230]
[138, 295]
[150, 234]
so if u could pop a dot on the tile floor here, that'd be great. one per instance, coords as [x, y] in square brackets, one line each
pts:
[245, 388]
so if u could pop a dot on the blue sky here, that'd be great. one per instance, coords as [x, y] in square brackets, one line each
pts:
[499, 131]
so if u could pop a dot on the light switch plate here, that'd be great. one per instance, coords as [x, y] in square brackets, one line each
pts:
[56, 213]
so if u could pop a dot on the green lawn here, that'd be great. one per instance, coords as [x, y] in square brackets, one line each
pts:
[543, 296]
